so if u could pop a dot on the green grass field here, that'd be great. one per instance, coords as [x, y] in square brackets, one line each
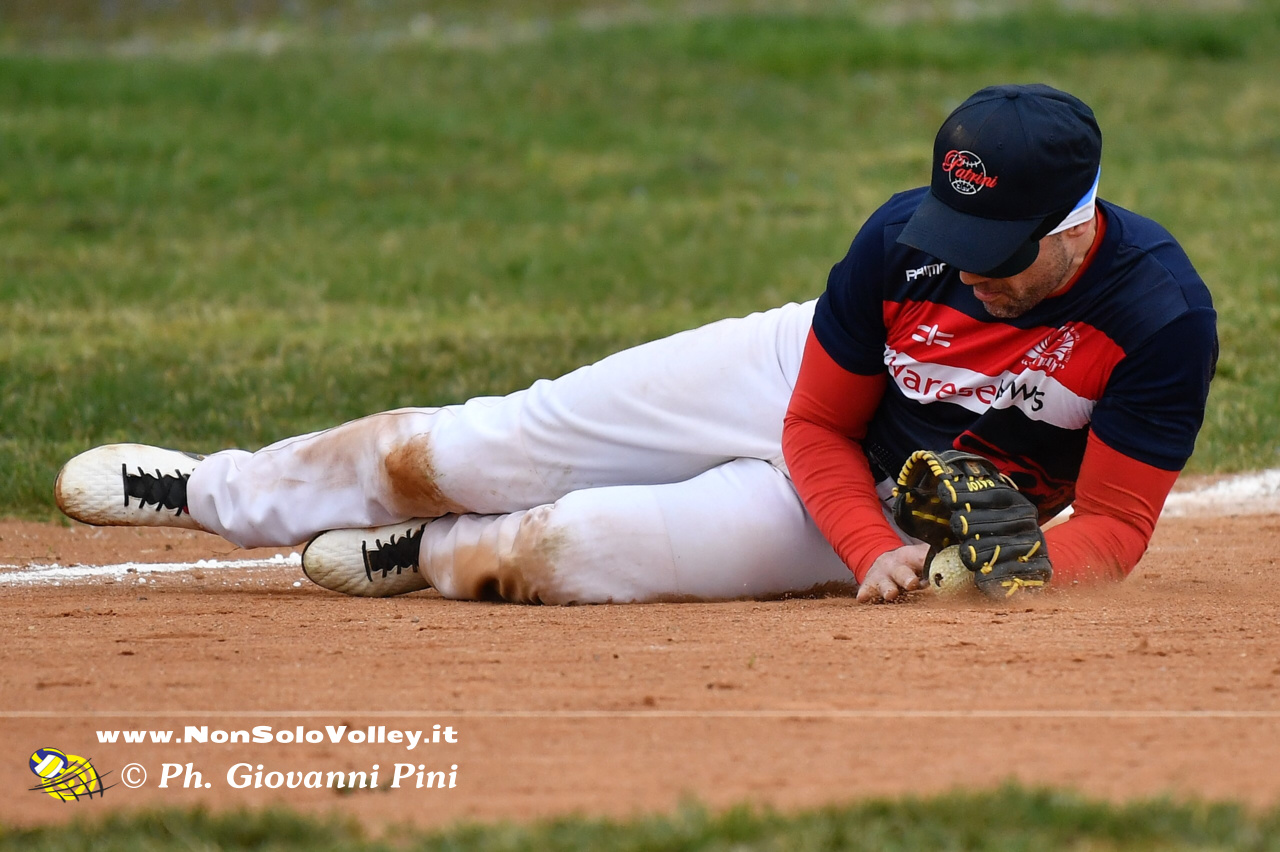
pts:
[218, 237]
[1011, 818]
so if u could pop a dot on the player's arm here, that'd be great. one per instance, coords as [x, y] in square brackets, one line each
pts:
[841, 382]
[1143, 432]
[1118, 501]
[821, 439]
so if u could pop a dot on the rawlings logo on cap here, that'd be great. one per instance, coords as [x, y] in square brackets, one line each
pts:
[968, 174]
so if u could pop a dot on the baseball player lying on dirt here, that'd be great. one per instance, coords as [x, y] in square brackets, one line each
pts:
[1004, 319]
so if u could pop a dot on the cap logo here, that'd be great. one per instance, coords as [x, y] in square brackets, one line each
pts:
[968, 174]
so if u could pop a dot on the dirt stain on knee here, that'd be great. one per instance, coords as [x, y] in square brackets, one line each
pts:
[326, 459]
[523, 571]
[412, 476]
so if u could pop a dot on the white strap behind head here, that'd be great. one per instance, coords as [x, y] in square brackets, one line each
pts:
[1083, 211]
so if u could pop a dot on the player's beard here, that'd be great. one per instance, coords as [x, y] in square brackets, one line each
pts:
[1019, 294]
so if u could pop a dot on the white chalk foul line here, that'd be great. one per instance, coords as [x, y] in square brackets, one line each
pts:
[1245, 494]
[763, 714]
[17, 575]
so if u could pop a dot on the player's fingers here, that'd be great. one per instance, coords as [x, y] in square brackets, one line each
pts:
[905, 578]
[877, 587]
[895, 572]
[884, 588]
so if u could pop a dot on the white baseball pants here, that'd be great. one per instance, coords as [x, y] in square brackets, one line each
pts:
[654, 474]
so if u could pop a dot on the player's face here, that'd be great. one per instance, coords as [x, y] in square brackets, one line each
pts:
[1014, 296]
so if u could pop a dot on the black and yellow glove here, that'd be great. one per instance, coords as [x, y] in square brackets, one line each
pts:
[953, 497]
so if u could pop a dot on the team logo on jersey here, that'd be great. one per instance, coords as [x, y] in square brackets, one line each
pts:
[1054, 351]
[968, 174]
[930, 334]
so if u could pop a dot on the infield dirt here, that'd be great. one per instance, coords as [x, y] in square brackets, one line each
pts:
[1168, 683]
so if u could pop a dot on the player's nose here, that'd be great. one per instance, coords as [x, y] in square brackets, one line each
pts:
[972, 279]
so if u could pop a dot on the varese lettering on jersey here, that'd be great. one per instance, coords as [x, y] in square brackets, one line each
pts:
[1038, 395]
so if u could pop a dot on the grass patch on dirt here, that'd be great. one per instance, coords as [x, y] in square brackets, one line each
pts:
[1011, 818]
[216, 237]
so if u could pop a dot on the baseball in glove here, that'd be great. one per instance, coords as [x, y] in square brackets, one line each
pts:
[953, 497]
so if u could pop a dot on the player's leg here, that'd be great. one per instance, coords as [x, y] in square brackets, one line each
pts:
[738, 530]
[660, 412]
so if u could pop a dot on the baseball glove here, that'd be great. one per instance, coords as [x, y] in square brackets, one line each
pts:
[953, 497]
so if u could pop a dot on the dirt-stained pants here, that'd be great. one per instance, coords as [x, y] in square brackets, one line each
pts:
[656, 473]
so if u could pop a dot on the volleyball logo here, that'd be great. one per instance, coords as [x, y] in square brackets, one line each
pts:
[66, 777]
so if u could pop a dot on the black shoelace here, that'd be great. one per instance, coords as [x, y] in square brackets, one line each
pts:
[396, 555]
[163, 490]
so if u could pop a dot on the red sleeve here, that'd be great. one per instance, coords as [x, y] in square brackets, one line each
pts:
[1118, 500]
[828, 417]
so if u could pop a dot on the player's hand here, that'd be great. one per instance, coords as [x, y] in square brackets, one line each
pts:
[893, 573]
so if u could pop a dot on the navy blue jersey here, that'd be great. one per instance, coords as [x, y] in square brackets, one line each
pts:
[1127, 351]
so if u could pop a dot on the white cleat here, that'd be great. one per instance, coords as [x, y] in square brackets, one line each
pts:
[130, 485]
[373, 563]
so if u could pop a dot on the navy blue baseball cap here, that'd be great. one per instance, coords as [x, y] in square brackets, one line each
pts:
[1009, 164]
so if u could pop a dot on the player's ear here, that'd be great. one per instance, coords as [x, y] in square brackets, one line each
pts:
[1077, 231]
